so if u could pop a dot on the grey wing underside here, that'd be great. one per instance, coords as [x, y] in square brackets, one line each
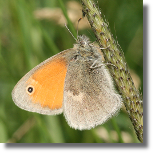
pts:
[89, 100]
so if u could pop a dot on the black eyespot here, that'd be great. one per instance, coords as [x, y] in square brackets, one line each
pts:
[30, 89]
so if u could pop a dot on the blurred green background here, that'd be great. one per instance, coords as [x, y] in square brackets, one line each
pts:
[32, 31]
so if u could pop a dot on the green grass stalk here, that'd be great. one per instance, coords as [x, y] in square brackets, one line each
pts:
[117, 67]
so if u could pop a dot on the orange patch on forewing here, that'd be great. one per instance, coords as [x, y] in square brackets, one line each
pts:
[48, 82]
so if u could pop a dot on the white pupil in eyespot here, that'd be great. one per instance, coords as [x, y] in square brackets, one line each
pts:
[30, 89]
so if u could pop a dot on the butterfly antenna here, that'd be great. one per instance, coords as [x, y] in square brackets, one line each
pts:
[78, 26]
[70, 32]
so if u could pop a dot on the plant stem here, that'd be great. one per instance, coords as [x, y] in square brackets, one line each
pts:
[120, 73]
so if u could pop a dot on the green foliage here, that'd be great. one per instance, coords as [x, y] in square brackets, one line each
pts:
[25, 41]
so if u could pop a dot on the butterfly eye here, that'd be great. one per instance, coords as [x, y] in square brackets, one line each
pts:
[30, 90]
[75, 57]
